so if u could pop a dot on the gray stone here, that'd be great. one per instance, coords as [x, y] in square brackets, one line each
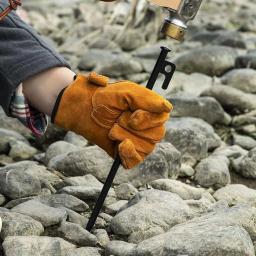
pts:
[115, 207]
[192, 137]
[20, 182]
[64, 200]
[186, 171]
[189, 84]
[102, 237]
[242, 79]
[20, 150]
[85, 193]
[75, 139]
[205, 108]
[221, 241]
[150, 213]
[91, 58]
[213, 172]
[58, 148]
[86, 180]
[245, 142]
[120, 248]
[75, 234]
[246, 165]
[131, 40]
[233, 152]
[125, 191]
[25, 179]
[164, 161]
[47, 215]
[232, 99]
[15, 224]
[186, 192]
[7, 136]
[84, 251]
[246, 61]
[120, 65]
[75, 217]
[220, 37]
[201, 60]
[236, 193]
[244, 119]
[2, 199]
[37, 246]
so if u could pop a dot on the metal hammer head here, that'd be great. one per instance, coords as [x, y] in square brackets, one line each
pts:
[180, 12]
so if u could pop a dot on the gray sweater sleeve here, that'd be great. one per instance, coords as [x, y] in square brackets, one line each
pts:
[23, 53]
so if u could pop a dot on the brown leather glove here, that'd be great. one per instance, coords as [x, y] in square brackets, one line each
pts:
[110, 114]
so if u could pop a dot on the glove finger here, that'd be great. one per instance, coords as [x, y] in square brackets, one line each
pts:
[154, 135]
[133, 96]
[128, 154]
[142, 120]
[117, 133]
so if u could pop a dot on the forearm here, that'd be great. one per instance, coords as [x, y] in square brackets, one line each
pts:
[42, 90]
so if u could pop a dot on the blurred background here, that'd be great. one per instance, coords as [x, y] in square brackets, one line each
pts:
[208, 158]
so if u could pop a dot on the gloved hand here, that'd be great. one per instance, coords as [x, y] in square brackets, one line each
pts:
[122, 117]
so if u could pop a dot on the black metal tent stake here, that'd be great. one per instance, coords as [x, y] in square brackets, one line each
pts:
[165, 68]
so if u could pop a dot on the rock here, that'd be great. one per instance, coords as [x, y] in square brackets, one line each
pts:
[164, 161]
[189, 84]
[76, 234]
[86, 180]
[48, 216]
[25, 179]
[245, 142]
[102, 237]
[34, 245]
[125, 191]
[13, 124]
[84, 251]
[75, 139]
[221, 241]
[20, 182]
[201, 60]
[2, 199]
[246, 61]
[242, 79]
[186, 192]
[131, 40]
[233, 152]
[21, 151]
[7, 136]
[186, 171]
[64, 200]
[115, 207]
[205, 108]
[85, 193]
[149, 213]
[235, 194]
[58, 148]
[220, 37]
[244, 119]
[192, 137]
[246, 165]
[213, 172]
[120, 248]
[119, 66]
[75, 217]
[201, 206]
[91, 58]
[15, 224]
[233, 100]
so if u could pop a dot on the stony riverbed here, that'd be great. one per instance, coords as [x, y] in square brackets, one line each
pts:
[195, 195]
